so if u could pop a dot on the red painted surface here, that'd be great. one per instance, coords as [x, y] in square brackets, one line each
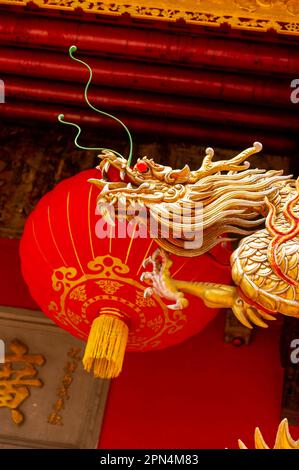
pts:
[148, 43]
[210, 86]
[138, 103]
[215, 85]
[201, 133]
[201, 394]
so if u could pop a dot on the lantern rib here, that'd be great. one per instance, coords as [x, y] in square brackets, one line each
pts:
[179, 269]
[53, 238]
[39, 247]
[145, 256]
[130, 244]
[89, 227]
[110, 240]
[70, 231]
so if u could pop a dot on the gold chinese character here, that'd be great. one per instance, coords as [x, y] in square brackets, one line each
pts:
[70, 367]
[16, 376]
[59, 404]
[67, 380]
[55, 418]
[74, 353]
[63, 393]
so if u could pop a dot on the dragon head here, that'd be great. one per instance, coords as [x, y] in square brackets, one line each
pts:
[146, 182]
[228, 191]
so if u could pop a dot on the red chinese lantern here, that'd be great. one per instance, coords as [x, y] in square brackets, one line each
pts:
[91, 286]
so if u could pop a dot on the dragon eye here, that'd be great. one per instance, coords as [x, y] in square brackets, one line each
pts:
[142, 167]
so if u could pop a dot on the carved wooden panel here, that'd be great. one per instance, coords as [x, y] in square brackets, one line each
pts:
[55, 403]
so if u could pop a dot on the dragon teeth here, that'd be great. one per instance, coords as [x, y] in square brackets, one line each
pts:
[122, 174]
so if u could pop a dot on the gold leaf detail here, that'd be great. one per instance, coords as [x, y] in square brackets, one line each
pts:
[17, 374]
[109, 286]
[79, 294]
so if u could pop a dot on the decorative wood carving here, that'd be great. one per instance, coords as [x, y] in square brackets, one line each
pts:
[256, 15]
[78, 399]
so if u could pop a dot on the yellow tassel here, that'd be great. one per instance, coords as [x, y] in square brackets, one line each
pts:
[106, 346]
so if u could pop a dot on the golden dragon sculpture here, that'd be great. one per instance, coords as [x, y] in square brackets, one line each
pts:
[223, 198]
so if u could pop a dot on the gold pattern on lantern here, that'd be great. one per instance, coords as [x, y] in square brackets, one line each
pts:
[142, 301]
[17, 375]
[74, 317]
[79, 294]
[109, 286]
[156, 323]
[109, 268]
[53, 306]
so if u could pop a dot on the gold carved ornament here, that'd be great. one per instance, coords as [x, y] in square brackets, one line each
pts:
[17, 375]
[257, 15]
[235, 199]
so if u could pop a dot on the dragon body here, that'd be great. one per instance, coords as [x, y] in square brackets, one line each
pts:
[220, 200]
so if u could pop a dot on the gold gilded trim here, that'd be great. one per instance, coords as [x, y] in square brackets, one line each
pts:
[256, 15]
[17, 375]
[70, 231]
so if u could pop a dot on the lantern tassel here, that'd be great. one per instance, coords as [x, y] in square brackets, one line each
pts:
[106, 346]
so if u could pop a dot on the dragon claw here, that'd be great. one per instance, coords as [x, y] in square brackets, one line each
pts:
[173, 307]
[146, 262]
[162, 284]
[146, 275]
[249, 315]
[180, 304]
[148, 292]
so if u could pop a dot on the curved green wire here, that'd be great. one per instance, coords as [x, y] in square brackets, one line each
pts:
[61, 119]
[73, 49]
